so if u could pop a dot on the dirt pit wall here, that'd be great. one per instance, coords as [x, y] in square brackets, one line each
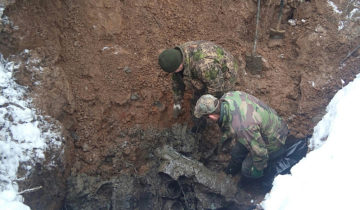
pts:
[100, 78]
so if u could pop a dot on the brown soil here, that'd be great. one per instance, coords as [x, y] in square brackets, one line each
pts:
[101, 80]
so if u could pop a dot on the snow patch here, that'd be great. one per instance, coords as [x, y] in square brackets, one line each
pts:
[292, 22]
[328, 177]
[24, 136]
[334, 7]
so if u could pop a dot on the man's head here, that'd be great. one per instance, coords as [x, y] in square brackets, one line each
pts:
[207, 104]
[170, 60]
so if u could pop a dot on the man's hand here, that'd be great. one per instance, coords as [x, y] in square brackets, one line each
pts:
[255, 173]
[176, 110]
[233, 167]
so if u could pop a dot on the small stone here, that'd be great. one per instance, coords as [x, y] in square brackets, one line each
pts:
[122, 134]
[161, 107]
[85, 147]
[127, 69]
[134, 97]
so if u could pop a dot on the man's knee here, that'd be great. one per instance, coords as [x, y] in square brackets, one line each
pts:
[248, 169]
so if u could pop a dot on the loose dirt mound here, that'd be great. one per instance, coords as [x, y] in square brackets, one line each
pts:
[100, 78]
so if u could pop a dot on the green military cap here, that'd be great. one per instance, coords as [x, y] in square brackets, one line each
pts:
[206, 104]
[170, 60]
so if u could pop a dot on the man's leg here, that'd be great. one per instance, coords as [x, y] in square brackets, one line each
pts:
[246, 177]
[238, 154]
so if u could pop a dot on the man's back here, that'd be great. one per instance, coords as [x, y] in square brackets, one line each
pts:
[208, 68]
[252, 120]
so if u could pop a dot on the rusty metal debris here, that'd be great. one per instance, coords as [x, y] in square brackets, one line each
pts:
[177, 165]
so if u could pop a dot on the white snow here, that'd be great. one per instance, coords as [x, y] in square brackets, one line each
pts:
[353, 13]
[105, 48]
[292, 22]
[348, 16]
[328, 177]
[334, 7]
[9, 201]
[24, 135]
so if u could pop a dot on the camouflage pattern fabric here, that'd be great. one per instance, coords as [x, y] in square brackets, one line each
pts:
[255, 125]
[208, 68]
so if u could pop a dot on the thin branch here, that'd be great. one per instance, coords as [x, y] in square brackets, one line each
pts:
[349, 54]
[11, 103]
[30, 190]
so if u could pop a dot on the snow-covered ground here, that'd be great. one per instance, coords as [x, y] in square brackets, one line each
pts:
[352, 12]
[328, 177]
[24, 136]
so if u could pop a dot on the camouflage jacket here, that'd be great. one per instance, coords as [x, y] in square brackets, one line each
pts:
[208, 68]
[254, 124]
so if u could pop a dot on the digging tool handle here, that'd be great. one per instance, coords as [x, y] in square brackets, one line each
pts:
[257, 26]
[280, 14]
[349, 54]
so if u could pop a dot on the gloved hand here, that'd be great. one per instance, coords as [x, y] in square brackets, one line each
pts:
[233, 167]
[255, 173]
[176, 110]
[238, 153]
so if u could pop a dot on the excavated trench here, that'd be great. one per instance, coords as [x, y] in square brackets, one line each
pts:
[100, 79]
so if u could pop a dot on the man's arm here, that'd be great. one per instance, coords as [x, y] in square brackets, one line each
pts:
[224, 123]
[178, 88]
[238, 153]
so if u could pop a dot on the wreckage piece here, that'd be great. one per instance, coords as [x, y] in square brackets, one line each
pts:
[175, 165]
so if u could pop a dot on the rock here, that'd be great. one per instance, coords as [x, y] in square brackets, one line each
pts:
[134, 97]
[161, 107]
[127, 69]
[85, 147]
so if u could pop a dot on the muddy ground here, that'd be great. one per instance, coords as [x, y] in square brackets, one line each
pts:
[92, 65]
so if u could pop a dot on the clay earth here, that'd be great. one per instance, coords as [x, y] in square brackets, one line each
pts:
[101, 81]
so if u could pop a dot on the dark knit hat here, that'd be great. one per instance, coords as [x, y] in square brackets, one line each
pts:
[170, 60]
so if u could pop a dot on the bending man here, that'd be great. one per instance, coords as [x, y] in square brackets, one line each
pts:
[257, 133]
[200, 65]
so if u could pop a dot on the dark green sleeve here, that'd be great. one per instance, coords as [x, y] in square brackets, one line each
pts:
[178, 87]
[224, 123]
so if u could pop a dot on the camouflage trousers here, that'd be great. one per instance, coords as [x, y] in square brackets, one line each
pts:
[247, 164]
[279, 163]
[241, 160]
